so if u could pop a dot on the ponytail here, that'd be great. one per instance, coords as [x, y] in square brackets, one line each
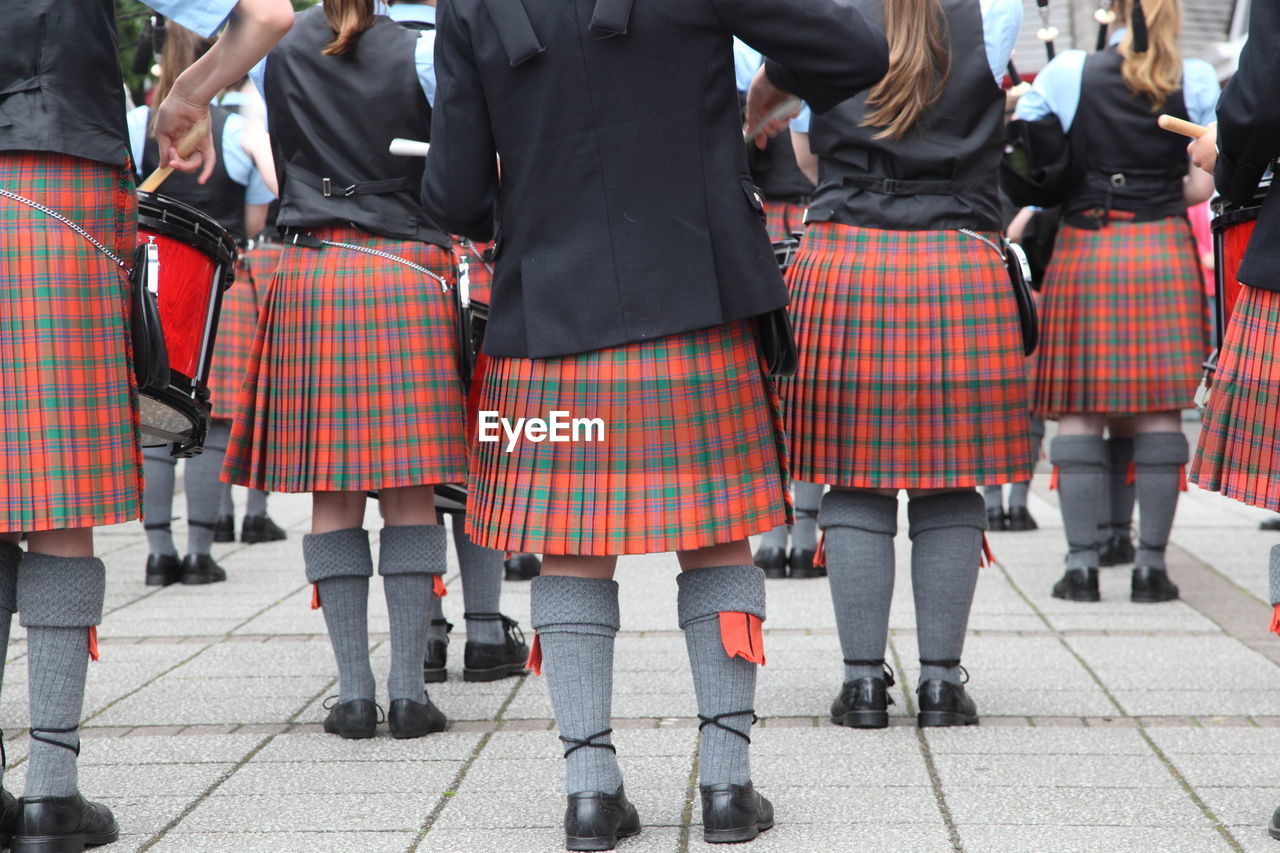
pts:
[348, 19]
[919, 65]
[1157, 71]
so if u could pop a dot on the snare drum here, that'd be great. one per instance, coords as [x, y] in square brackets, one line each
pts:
[1232, 227]
[196, 263]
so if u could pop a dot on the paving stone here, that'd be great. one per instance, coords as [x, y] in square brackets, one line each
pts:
[1063, 806]
[311, 812]
[286, 842]
[1094, 839]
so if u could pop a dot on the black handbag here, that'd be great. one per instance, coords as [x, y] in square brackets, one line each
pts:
[777, 343]
[1035, 170]
[1020, 276]
[150, 357]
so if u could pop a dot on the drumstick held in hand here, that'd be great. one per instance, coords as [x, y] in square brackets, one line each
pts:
[402, 147]
[1181, 126]
[186, 145]
[789, 107]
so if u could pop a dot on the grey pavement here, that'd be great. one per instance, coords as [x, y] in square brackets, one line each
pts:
[1106, 727]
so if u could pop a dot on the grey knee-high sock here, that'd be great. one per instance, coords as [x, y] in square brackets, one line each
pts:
[227, 503]
[159, 470]
[204, 489]
[340, 565]
[256, 503]
[993, 497]
[59, 599]
[577, 620]
[437, 627]
[481, 570]
[1158, 458]
[1082, 479]
[946, 550]
[804, 536]
[1121, 492]
[410, 559]
[1019, 492]
[10, 557]
[726, 686]
[776, 538]
[859, 528]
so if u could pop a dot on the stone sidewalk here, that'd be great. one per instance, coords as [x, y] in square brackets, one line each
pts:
[1106, 727]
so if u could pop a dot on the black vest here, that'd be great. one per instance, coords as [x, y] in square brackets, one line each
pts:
[942, 173]
[331, 119]
[1120, 158]
[220, 197]
[60, 83]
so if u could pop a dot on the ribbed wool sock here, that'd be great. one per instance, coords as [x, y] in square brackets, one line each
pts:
[577, 620]
[340, 565]
[481, 570]
[859, 528]
[59, 599]
[159, 470]
[1121, 491]
[946, 550]
[437, 629]
[227, 503]
[993, 497]
[1082, 478]
[1158, 458]
[725, 686]
[1019, 492]
[808, 497]
[776, 538]
[256, 503]
[204, 489]
[10, 557]
[409, 559]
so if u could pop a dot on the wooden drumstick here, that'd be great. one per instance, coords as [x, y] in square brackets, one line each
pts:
[186, 145]
[1186, 128]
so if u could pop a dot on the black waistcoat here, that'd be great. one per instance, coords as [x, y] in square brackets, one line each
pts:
[220, 197]
[60, 83]
[942, 173]
[331, 119]
[1120, 158]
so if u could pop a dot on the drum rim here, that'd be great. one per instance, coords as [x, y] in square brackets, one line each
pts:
[1226, 218]
[201, 231]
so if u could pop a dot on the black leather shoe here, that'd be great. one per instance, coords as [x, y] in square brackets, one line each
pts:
[409, 719]
[733, 813]
[354, 720]
[1151, 585]
[9, 811]
[200, 568]
[1118, 549]
[225, 529]
[522, 567]
[863, 704]
[1078, 585]
[260, 528]
[997, 520]
[62, 825]
[1272, 523]
[773, 561]
[433, 668]
[801, 564]
[944, 703]
[595, 820]
[1273, 828]
[163, 569]
[494, 661]
[1020, 519]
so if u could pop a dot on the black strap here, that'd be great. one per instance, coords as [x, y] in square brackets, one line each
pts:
[610, 17]
[204, 524]
[715, 721]
[890, 677]
[1159, 549]
[515, 30]
[948, 664]
[166, 526]
[448, 626]
[589, 740]
[893, 186]
[37, 734]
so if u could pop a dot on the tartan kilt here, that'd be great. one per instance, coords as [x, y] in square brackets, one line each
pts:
[353, 381]
[783, 217]
[692, 452]
[1125, 326]
[911, 369]
[238, 326]
[69, 452]
[1239, 450]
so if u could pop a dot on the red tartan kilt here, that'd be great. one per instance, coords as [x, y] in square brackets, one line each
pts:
[69, 452]
[783, 218]
[1239, 450]
[1124, 327]
[352, 381]
[237, 327]
[692, 454]
[911, 368]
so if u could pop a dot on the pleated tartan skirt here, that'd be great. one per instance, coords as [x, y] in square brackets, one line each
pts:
[911, 369]
[692, 452]
[352, 382]
[1125, 326]
[783, 218]
[69, 452]
[238, 326]
[1239, 450]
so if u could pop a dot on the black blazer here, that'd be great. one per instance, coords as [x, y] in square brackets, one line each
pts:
[1249, 140]
[627, 211]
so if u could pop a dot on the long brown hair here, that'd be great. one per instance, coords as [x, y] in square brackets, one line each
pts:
[919, 65]
[181, 49]
[1157, 72]
[348, 19]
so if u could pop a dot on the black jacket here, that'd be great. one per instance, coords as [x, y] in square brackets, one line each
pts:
[627, 211]
[1249, 139]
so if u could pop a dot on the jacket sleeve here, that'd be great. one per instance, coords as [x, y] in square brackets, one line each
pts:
[820, 50]
[460, 184]
[1248, 120]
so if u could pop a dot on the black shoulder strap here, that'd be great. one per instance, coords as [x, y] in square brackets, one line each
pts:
[515, 30]
[611, 17]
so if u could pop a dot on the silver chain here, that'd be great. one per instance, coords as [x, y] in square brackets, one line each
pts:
[967, 232]
[444, 284]
[67, 222]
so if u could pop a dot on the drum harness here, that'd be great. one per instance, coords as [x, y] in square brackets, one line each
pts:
[48, 211]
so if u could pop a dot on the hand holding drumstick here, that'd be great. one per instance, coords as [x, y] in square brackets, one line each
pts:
[1204, 146]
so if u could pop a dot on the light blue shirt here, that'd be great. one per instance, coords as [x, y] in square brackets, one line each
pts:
[1001, 21]
[204, 17]
[238, 164]
[423, 57]
[1056, 89]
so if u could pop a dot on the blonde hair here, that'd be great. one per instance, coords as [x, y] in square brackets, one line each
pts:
[1157, 72]
[181, 49]
[919, 65]
[348, 19]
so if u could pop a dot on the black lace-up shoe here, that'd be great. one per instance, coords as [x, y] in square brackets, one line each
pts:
[522, 567]
[9, 811]
[864, 703]
[225, 529]
[494, 661]
[997, 520]
[595, 820]
[354, 720]
[801, 564]
[260, 528]
[62, 825]
[1020, 520]
[1149, 586]
[733, 813]
[409, 719]
[773, 561]
[944, 703]
[1078, 585]
[163, 569]
[200, 568]
[434, 667]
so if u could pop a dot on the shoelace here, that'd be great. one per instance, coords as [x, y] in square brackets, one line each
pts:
[331, 701]
[890, 678]
[37, 734]
[589, 740]
[715, 721]
[948, 664]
